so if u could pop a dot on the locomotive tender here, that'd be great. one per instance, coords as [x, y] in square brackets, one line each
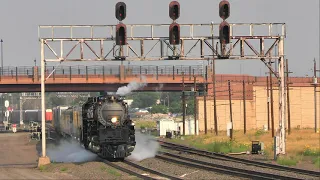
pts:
[102, 125]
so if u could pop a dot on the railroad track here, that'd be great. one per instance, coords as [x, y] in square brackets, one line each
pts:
[218, 156]
[155, 174]
[221, 168]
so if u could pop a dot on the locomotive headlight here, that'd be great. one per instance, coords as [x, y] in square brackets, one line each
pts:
[114, 120]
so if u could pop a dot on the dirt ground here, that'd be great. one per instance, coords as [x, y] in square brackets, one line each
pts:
[18, 159]
[19, 156]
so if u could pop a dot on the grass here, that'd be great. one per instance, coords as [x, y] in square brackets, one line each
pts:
[110, 170]
[316, 162]
[63, 169]
[222, 146]
[285, 161]
[299, 144]
[42, 168]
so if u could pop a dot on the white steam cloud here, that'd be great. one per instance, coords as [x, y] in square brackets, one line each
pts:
[70, 152]
[124, 90]
[146, 147]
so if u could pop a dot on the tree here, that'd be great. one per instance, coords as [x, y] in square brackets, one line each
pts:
[190, 107]
[144, 99]
[176, 107]
[159, 109]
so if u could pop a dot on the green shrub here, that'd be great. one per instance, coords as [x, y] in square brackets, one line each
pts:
[311, 152]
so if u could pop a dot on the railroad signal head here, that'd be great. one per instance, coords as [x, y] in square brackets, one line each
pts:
[121, 34]
[224, 33]
[121, 11]
[174, 10]
[224, 9]
[174, 34]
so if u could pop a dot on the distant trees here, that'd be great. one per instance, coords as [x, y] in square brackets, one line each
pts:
[169, 102]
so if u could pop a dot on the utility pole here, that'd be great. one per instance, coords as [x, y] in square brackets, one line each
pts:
[315, 94]
[205, 102]
[214, 90]
[1, 56]
[271, 95]
[195, 105]
[268, 103]
[183, 105]
[2, 103]
[288, 97]
[244, 109]
[230, 104]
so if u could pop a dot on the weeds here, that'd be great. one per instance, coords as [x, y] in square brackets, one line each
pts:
[311, 152]
[63, 169]
[287, 161]
[113, 172]
[316, 162]
[260, 132]
[223, 147]
[42, 168]
[110, 171]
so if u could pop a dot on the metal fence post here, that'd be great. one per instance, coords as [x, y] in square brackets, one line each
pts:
[70, 72]
[173, 72]
[16, 73]
[87, 73]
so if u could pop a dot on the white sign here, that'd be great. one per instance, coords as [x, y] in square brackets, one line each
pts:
[7, 113]
[6, 103]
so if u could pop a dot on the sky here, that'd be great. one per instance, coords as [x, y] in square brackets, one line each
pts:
[20, 19]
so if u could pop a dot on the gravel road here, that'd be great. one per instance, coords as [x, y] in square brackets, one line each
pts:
[18, 159]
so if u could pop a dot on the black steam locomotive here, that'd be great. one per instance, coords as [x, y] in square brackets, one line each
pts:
[107, 128]
[101, 124]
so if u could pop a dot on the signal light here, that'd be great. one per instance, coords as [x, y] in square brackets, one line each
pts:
[224, 9]
[121, 34]
[224, 33]
[174, 34]
[174, 10]
[121, 9]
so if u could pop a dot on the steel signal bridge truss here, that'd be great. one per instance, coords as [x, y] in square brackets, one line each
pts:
[146, 42]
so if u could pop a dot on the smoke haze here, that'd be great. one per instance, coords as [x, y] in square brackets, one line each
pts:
[124, 90]
[145, 147]
[69, 152]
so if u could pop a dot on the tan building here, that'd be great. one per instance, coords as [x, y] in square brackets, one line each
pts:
[301, 103]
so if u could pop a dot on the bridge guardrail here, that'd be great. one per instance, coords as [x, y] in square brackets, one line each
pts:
[171, 71]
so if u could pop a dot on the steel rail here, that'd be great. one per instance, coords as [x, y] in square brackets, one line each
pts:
[252, 172]
[151, 171]
[214, 169]
[239, 160]
[127, 170]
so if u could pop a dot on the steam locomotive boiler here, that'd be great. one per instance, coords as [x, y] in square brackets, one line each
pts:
[107, 129]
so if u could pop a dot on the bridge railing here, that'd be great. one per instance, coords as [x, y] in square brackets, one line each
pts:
[104, 70]
[114, 70]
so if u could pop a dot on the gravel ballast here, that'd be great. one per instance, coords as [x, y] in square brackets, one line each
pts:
[242, 166]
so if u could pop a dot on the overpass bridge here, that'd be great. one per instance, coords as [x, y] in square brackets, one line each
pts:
[101, 78]
[111, 77]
